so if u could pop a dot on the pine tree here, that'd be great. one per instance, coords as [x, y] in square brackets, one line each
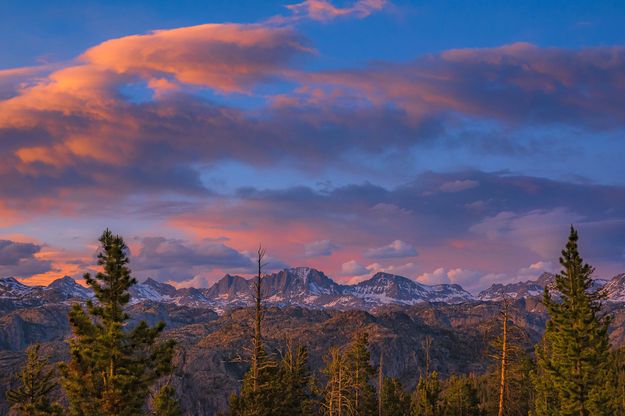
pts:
[395, 400]
[459, 397]
[36, 381]
[573, 375]
[359, 366]
[293, 383]
[166, 403]
[618, 389]
[112, 367]
[336, 396]
[425, 399]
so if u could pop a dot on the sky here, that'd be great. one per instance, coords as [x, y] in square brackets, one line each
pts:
[445, 141]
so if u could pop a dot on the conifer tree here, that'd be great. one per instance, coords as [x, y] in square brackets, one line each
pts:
[395, 400]
[293, 383]
[425, 399]
[166, 403]
[359, 366]
[573, 375]
[459, 397]
[111, 367]
[36, 381]
[618, 391]
[337, 400]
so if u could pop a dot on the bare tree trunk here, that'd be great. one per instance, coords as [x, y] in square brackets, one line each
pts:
[380, 382]
[258, 320]
[504, 358]
[340, 392]
[427, 345]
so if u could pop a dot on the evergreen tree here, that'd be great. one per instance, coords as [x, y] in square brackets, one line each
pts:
[359, 366]
[111, 368]
[36, 381]
[573, 375]
[425, 399]
[336, 396]
[293, 384]
[395, 400]
[459, 397]
[618, 390]
[165, 402]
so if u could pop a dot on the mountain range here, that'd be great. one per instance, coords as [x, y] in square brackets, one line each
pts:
[304, 305]
[300, 286]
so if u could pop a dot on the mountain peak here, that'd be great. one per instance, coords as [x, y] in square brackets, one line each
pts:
[63, 281]
[151, 282]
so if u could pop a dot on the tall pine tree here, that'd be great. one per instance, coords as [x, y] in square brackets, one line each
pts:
[573, 375]
[112, 367]
[459, 397]
[293, 392]
[166, 403]
[336, 396]
[395, 400]
[363, 394]
[36, 381]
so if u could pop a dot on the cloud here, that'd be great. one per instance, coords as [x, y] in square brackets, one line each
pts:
[178, 260]
[324, 10]
[459, 185]
[76, 131]
[525, 220]
[320, 248]
[397, 248]
[512, 83]
[353, 268]
[225, 57]
[20, 259]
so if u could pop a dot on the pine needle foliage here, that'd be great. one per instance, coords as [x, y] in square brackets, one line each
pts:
[573, 375]
[36, 381]
[111, 366]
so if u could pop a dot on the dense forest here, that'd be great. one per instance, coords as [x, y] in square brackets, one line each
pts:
[118, 369]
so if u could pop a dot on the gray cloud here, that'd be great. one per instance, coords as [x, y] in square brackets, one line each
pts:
[320, 248]
[18, 259]
[178, 260]
[396, 249]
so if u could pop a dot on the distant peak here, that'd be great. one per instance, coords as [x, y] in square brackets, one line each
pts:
[151, 282]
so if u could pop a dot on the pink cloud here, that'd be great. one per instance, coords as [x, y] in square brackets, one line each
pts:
[225, 57]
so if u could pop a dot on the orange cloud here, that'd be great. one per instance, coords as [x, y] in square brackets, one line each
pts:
[226, 57]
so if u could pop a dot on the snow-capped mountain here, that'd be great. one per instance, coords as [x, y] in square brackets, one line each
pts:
[517, 290]
[65, 288]
[300, 286]
[12, 288]
[309, 287]
[536, 287]
[615, 288]
[151, 290]
[385, 288]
